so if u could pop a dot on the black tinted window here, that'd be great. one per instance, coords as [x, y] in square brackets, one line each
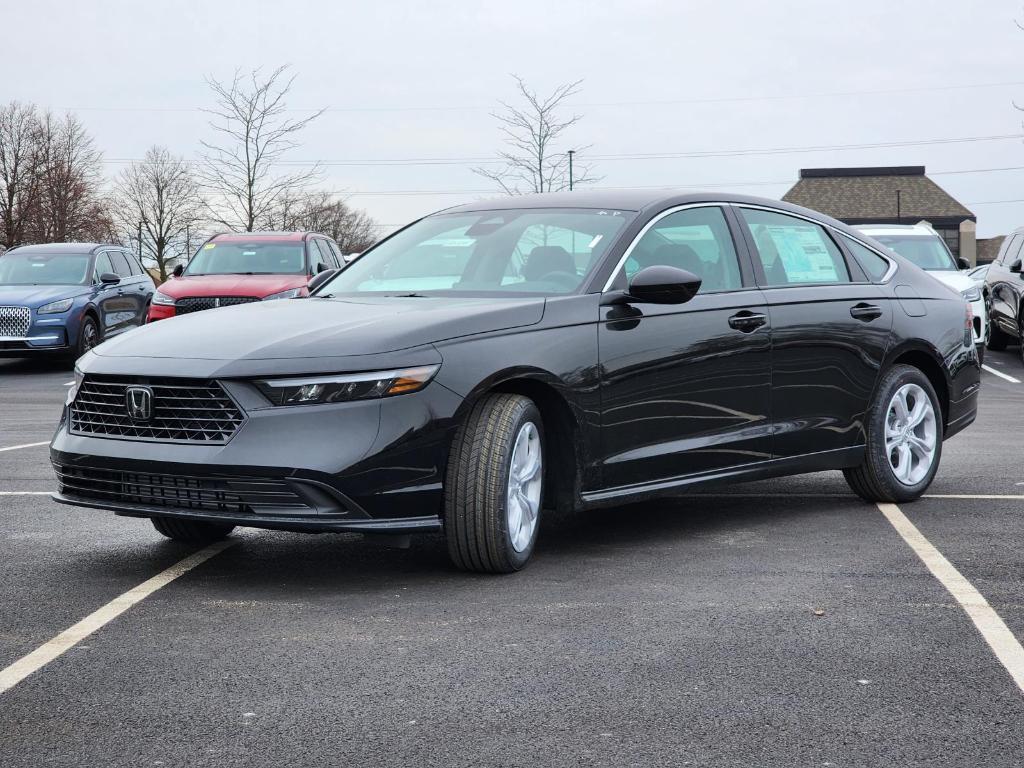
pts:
[794, 251]
[1010, 254]
[120, 263]
[695, 239]
[873, 265]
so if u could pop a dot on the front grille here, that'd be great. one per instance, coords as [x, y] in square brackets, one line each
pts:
[199, 303]
[14, 321]
[226, 494]
[183, 411]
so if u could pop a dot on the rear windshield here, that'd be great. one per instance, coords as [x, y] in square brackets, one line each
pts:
[255, 258]
[927, 252]
[44, 268]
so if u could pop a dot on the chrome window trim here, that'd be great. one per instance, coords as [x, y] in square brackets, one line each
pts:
[639, 236]
[893, 266]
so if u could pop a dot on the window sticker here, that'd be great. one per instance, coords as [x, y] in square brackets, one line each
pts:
[209, 246]
[805, 257]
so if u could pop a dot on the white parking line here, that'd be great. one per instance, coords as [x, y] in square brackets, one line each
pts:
[44, 654]
[26, 445]
[25, 493]
[1001, 375]
[998, 636]
[68, 383]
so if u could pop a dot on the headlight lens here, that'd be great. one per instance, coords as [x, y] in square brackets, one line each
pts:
[289, 294]
[162, 299]
[343, 388]
[73, 389]
[55, 307]
[971, 294]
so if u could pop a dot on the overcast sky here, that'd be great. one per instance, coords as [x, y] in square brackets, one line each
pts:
[409, 80]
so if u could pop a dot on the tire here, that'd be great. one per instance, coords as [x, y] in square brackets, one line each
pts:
[88, 336]
[997, 340]
[191, 531]
[895, 471]
[981, 353]
[485, 532]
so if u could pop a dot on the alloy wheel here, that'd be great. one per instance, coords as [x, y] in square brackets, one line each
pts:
[90, 335]
[522, 501]
[910, 434]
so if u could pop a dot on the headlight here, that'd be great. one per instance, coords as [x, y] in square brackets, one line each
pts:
[289, 294]
[343, 388]
[73, 389]
[162, 299]
[971, 294]
[55, 307]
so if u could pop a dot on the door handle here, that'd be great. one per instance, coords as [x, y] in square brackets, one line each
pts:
[747, 321]
[865, 312]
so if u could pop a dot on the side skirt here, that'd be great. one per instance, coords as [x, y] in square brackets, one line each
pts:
[840, 458]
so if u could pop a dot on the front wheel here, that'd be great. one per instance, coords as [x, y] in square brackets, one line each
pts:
[88, 336]
[494, 485]
[904, 439]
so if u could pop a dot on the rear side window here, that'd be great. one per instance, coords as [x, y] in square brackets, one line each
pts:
[794, 251]
[695, 239]
[120, 264]
[873, 265]
[1010, 254]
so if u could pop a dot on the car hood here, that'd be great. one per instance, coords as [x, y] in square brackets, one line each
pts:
[230, 285]
[37, 295]
[318, 328]
[958, 281]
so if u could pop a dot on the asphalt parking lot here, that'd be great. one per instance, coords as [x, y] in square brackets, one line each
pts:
[778, 623]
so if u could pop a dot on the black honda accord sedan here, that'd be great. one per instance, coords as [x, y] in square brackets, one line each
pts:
[496, 360]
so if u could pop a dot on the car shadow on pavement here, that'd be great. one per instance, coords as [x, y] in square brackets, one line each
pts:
[28, 365]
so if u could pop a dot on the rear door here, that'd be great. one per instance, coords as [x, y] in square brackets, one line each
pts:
[685, 388]
[125, 308]
[830, 330]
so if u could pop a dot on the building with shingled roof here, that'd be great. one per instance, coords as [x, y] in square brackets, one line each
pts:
[887, 195]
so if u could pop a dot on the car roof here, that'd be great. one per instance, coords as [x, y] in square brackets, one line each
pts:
[248, 237]
[630, 200]
[919, 230]
[62, 248]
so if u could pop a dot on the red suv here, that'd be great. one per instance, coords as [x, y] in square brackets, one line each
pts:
[240, 267]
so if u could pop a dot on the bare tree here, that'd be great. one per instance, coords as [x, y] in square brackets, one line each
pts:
[160, 194]
[354, 230]
[240, 166]
[19, 171]
[533, 160]
[70, 205]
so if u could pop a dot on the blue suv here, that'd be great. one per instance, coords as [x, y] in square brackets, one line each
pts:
[65, 298]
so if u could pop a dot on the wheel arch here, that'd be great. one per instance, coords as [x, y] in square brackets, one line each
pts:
[562, 428]
[930, 364]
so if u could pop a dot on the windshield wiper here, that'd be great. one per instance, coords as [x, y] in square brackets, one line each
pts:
[406, 296]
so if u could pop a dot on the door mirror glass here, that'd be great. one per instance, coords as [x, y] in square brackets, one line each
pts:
[963, 263]
[179, 270]
[663, 285]
[110, 278]
[321, 278]
[321, 267]
[1015, 267]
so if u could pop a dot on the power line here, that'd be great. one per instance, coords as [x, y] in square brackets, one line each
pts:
[599, 104]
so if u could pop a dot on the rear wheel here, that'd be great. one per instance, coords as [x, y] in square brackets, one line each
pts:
[191, 531]
[494, 485]
[904, 441]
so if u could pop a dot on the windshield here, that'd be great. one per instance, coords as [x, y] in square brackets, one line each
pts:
[254, 258]
[44, 268]
[532, 251]
[926, 252]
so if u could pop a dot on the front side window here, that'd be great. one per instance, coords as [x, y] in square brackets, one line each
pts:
[873, 265]
[487, 253]
[44, 268]
[103, 266]
[257, 257]
[695, 239]
[794, 251]
[1010, 254]
[926, 251]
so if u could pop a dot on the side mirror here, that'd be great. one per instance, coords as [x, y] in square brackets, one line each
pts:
[963, 263]
[321, 278]
[179, 270]
[663, 285]
[321, 267]
[109, 278]
[1015, 267]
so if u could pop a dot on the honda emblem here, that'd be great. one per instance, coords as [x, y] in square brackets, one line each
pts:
[139, 402]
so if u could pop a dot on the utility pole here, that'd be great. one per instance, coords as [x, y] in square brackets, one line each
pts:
[571, 153]
[899, 215]
[140, 241]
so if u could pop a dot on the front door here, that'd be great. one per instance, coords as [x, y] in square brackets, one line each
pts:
[830, 330]
[685, 388]
[1005, 287]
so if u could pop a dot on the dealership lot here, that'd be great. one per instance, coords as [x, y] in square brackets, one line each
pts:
[776, 623]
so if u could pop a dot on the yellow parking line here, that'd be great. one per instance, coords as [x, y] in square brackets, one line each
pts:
[44, 654]
[993, 629]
